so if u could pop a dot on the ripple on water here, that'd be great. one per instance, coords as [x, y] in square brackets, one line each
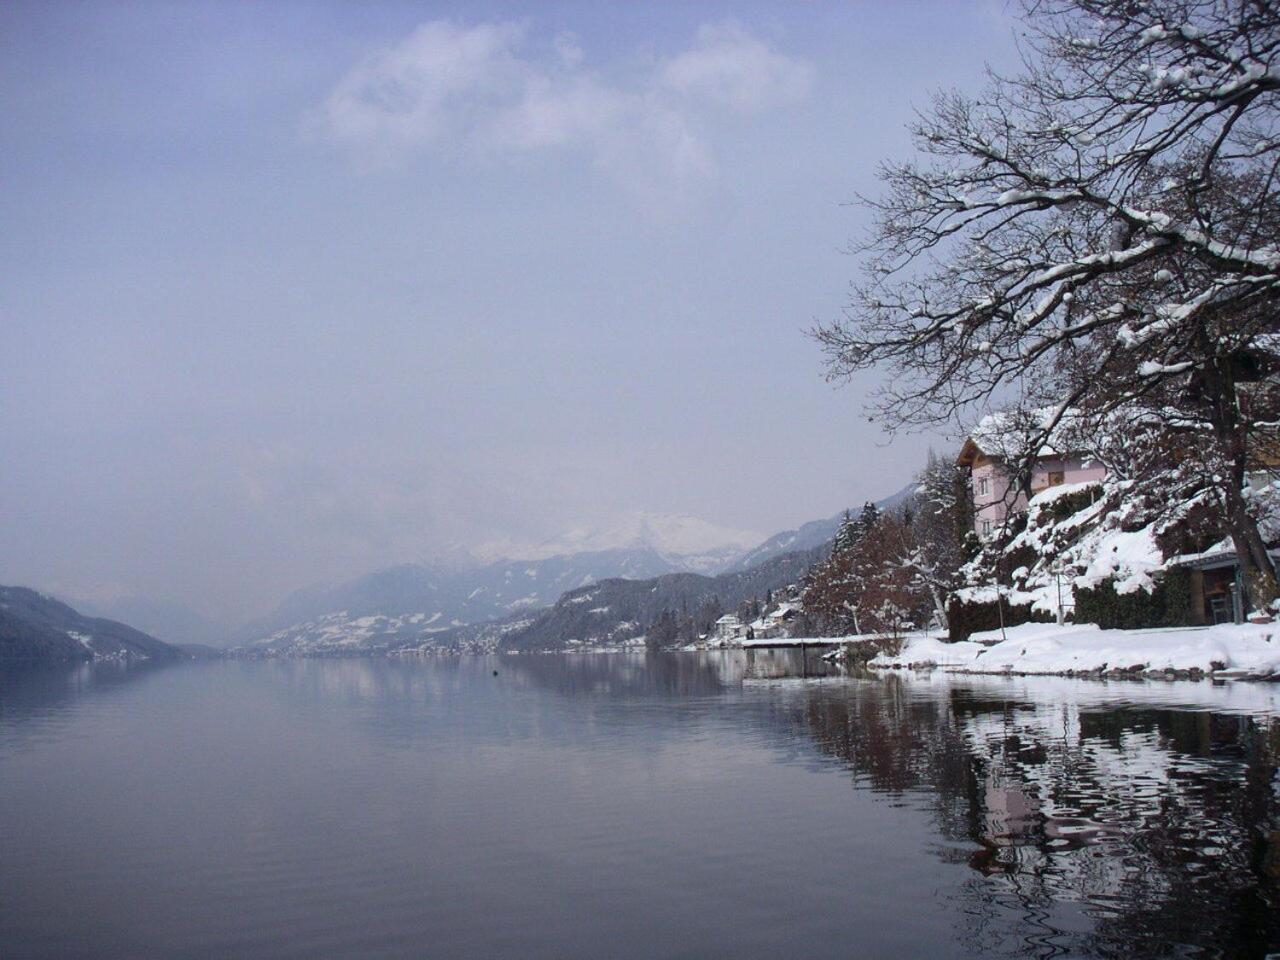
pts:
[632, 807]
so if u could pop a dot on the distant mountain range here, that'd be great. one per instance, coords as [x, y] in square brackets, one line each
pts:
[34, 627]
[810, 535]
[588, 587]
[683, 542]
[614, 611]
[522, 603]
[415, 600]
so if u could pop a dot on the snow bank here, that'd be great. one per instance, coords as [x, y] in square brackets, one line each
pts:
[1226, 650]
[1049, 692]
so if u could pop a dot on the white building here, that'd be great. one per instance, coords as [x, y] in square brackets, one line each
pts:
[729, 627]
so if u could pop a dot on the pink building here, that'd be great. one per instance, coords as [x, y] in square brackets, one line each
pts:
[987, 452]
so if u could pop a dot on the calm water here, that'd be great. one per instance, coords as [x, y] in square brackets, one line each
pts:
[612, 806]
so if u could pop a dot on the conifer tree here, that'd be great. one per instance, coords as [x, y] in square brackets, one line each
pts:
[846, 536]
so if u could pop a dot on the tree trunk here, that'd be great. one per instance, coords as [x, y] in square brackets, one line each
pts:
[939, 605]
[1256, 567]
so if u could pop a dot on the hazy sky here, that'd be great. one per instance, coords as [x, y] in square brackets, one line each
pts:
[290, 292]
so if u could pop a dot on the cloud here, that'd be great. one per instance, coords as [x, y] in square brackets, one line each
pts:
[413, 93]
[490, 90]
[730, 68]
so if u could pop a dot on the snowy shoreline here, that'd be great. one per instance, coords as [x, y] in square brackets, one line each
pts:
[1223, 652]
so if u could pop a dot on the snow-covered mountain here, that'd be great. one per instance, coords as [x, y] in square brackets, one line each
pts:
[418, 600]
[685, 542]
[421, 605]
[414, 602]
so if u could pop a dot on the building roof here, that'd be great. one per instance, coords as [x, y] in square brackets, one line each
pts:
[1007, 434]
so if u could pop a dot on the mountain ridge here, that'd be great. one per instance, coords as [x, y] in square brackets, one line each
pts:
[36, 627]
[434, 605]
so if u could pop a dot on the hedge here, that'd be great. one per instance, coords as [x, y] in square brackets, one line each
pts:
[965, 618]
[1167, 605]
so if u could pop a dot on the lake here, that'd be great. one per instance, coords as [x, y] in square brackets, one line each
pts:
[630, 806]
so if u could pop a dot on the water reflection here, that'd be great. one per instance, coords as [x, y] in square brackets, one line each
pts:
[32, 692]
[779, 663]
[1123, 832]
[632, 806]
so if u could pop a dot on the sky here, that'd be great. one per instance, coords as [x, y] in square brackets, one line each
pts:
[290, 292]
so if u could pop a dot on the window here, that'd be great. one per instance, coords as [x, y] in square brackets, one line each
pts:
[984, 486]
[986, 528]
[1056, 477]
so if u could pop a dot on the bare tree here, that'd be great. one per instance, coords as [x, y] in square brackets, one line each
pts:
[875, 584]
[941, 520]
[1099, 230]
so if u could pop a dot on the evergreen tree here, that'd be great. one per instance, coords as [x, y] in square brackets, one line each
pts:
[663, 633]
[846, 536]
[868, 519]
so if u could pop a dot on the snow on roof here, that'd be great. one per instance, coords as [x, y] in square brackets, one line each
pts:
[1008, 433]
[782, 611]
[1221, 554]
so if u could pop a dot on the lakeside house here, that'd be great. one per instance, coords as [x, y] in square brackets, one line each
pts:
[1000, 443]
[775, 624]
[730, 628]
[990, 454]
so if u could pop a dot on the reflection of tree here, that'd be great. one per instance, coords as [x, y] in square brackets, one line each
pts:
[1143, 829]
[778, 663]
[33, 690]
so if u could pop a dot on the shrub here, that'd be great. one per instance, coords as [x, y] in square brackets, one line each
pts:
[1167, 605]
[965, 617]
[1069, 504]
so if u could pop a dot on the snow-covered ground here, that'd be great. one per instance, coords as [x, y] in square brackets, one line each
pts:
[1225, 651]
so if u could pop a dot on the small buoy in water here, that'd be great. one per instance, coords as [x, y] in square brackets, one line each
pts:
[495, 673]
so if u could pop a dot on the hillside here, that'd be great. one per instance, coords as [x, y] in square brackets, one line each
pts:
[806, 537]
[392, 606]
[36, 627]
[174, 622]
[538, 604]
[614, 611]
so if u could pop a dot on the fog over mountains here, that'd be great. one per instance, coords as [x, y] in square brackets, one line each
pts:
[435, 604]
[474, 601]
[421, 600]
[684, 542]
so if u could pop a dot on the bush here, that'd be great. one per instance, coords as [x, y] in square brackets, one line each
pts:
[1167, 605]
[965, 618]
[1069, 504]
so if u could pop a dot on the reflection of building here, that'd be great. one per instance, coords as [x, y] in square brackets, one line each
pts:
[1093, 825]
[1009, 811]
